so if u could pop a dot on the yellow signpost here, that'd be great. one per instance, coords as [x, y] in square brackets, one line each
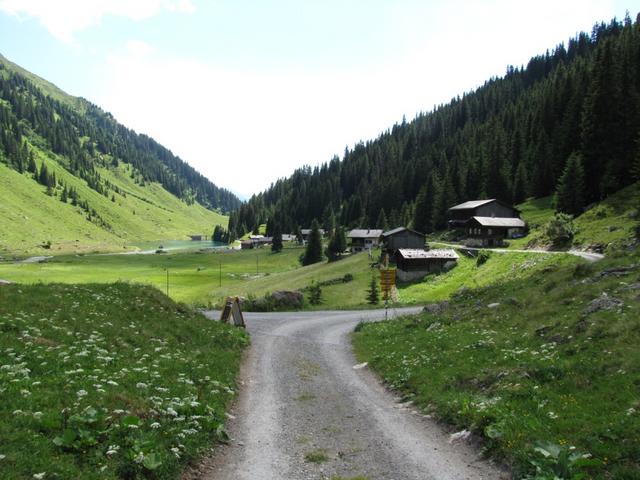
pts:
[387, 282]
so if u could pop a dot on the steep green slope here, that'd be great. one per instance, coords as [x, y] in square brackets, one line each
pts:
[72, 179]
[29, 218]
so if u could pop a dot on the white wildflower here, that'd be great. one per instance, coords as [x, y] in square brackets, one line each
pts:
[81, 393]
[155, 425]
[141, 385]
[39, 476]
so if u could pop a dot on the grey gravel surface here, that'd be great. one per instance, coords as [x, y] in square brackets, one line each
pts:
[300, 394]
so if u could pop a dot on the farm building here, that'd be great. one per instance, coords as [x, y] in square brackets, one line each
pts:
[416, 263]
[363, 239]
[459, 215]
[401, 237]
[491, 231]
[288, 237]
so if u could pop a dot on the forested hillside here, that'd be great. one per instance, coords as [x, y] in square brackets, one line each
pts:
[34, 113]
[510, 139]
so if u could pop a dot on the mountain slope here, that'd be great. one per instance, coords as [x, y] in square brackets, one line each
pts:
[70, 175]
[509, 139]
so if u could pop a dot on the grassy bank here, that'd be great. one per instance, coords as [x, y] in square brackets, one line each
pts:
[109, 381]
[548, 374]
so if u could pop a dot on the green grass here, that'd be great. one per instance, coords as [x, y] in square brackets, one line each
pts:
[610, 223]
[109, 381]
[316, 456]
[29, 218]
[607, 225]
[536, 371]
[499, 268]
[195, 277]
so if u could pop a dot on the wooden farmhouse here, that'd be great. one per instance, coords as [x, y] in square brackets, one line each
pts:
[363, 239]
[491, 231]
[413, 264]
[459, 215]
[402, 237]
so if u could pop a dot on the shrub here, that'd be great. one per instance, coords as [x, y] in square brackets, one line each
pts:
[483, 256]
[560, 230]
[315, 294]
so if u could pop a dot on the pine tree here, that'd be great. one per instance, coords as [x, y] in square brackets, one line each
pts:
[276, 244]
[519, 188]
[337, 244]
[569, 197]
[382, 221]
[373, 294]
[313, 252]
[423, 214]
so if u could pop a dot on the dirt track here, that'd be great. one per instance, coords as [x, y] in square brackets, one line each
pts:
[301, 395]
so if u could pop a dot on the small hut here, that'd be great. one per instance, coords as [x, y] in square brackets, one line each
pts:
[416, 263]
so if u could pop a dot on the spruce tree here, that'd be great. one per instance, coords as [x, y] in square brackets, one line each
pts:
[423, 213]
[276, 244]
[373, 295]
[569, 197]
[313, 252]
[382, 221]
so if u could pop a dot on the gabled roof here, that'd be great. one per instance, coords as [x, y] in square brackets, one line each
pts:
[472, 204]
[507, 222]
[389, 233]
[362, 233]
[307, 231]
[445, 253]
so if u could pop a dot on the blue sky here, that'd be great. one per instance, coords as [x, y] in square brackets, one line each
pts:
[247, 91]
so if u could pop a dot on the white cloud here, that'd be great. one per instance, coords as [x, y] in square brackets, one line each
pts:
[63, 18]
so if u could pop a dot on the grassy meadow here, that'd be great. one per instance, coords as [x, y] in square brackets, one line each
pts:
[109, 381]
[544, 368]
[204, 279]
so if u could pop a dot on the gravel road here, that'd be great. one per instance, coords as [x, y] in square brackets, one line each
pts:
[301, 396]
[588, 256]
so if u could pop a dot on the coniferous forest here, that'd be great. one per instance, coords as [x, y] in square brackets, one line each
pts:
[84, 136]
[566, 124]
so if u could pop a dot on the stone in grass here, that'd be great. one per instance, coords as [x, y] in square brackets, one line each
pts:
[436, 308]
[5, 282]
[288, 298]
[603, 302]
[493, 305]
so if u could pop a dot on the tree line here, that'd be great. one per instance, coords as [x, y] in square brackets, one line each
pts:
[566, 124]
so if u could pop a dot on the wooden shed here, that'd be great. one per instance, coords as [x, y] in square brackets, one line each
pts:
[491, 231]
[459, 215]
[402, 237]
[414, 264]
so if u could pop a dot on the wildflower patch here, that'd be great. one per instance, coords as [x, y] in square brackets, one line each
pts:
[109, 381]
